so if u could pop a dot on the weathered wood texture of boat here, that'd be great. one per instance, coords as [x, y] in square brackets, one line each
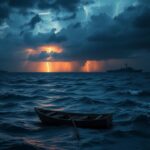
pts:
[57, 118]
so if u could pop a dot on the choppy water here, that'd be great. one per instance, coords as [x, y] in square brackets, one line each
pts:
[126, 95]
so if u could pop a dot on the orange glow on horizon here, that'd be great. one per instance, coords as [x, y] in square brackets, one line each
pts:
[59, 66]
[42, 66]
[50, 48]
[88, 66]
[92, 66]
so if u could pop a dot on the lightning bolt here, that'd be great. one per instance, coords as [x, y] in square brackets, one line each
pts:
[85, 11]
[47, 63]
[117, 10]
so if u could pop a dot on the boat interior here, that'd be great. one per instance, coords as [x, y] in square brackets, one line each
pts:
[67, 116]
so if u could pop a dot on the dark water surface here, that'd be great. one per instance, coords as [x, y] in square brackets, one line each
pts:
[126, 95]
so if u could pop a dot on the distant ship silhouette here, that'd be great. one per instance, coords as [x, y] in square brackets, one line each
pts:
[126, 69]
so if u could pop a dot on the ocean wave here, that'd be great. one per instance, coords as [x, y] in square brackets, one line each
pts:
[120, 133]
[127, 103]
[23, 86]
[42, 81]
[22, 146]
[88, 100]
[60, 93]
[66, 98]
[9, 105]
[9, 96]
[139, 92]
[17, 81]
[135, 93]
[139, 133]
[19, 93]
[111, 88]
[29, 113]
[10, 127]
[81, 83]
[130, 119]
[144, 93]
[141, 119]
[19, 143]
[58, 86]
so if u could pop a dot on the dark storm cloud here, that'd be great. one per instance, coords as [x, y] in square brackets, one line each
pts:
[99, 37]
[66, 18]
[36, 19]
[57, 39]
[39, 57]
[69, 5]
[107, 37]
[143, 19]
[21, 3]
[144, 2]
[77, 25]
[128, 32]
[34, 41]
[11, 48]
[4, 13]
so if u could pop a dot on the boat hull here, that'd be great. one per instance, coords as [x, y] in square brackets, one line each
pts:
[105, 122]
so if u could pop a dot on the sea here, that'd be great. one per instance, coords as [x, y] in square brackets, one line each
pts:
[126, 95]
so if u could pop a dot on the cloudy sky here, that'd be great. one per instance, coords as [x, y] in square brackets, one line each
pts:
[74, 35]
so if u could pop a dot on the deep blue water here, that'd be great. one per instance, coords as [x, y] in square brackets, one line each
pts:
[125, 95]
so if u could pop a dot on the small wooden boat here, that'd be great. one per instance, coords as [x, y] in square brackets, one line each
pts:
[57, 118]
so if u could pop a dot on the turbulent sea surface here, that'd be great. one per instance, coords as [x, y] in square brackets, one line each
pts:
[127, 96]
